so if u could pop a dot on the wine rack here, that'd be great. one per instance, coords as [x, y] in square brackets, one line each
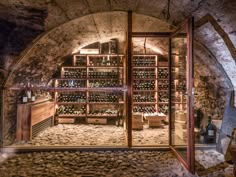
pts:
[91, 88]
[79, 97]
[150, 84]
[178, 87]
[71, 110]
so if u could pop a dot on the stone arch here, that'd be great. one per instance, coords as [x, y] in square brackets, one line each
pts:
[47, 51]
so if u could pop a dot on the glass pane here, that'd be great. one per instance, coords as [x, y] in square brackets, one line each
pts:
[179, 132]
[150, 97]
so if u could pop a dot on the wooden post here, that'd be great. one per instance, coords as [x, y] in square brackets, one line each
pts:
[129, 79]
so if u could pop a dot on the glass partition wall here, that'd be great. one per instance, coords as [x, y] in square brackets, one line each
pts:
[181, 94]
[116, 95]
[120, 96]
[150, 91]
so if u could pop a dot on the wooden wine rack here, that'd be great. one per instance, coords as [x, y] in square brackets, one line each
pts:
[150, 69]
[92, 74]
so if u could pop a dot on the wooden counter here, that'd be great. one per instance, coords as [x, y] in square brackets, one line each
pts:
[32, 114]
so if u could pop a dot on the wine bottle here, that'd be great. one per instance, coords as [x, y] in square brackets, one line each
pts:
[24, 96]
[211, 131]
[33, 96]
[28, 92]
[202, 135]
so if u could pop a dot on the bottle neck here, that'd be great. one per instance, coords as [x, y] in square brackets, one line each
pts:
[209, 120]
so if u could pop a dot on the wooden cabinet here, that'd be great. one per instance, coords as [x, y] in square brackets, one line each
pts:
[91, 89]
[33, 118]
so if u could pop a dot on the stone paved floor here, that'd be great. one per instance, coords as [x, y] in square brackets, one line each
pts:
[100, 164]
[92, 135]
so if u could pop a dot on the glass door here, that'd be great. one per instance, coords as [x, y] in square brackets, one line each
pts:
[181, 95]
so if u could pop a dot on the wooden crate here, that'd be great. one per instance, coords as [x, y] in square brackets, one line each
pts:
[137, 125]
[155, 121]
[137, 121]
[181, 116]
[97, 121]
[66, 120]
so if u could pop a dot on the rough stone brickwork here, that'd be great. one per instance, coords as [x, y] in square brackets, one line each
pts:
[9, 134]
[211, 84]
[1, 119]
[207, 35]
[209, 98]
[69, 32]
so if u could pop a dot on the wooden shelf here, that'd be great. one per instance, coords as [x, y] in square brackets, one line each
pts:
[102, 116]
[106, 89]
[144, 67]
[63, 78]
[143, 79]
[145, 103]
[70, 103]
[144, 90]
[162, 79]
[74, 67]
[72, 115]
[104, 78]
[61, 89]
[105, 103]
[109, 67]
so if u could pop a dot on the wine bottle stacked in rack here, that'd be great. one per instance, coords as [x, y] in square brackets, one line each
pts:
[75, 73]
[144, 61]
[163, 84]
[71, 83]
[163, 108]
[80, 61]
[144, 98]
[144, 85]
[104, 83]
[68, 97]
[163, 97]
[144, 108]
[93, 74]
[103, 97]
[103, 112]
[71, 109]
[163, 73]
[144, 74]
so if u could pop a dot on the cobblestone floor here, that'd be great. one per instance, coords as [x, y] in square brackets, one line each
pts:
[96, 135]
[101, 164]
[209, 162]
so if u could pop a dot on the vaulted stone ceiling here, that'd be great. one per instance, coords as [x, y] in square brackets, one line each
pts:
[64, 25]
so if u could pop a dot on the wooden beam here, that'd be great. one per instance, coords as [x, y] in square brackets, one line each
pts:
[151, 34]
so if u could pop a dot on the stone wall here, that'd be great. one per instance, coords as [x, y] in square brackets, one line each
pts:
[1, 119]
[209, 98]
[10, 111]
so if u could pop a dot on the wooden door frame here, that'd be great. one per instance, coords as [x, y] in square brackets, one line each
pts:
[190, 164]
[190, 123]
